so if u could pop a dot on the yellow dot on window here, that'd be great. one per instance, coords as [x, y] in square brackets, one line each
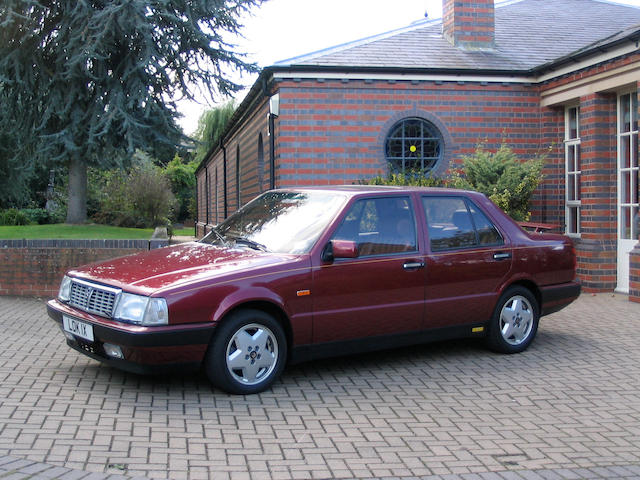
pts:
[412, 148]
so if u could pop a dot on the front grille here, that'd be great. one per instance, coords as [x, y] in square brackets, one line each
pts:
[93, 298]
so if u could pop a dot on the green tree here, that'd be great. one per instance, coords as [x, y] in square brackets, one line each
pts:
[88, 82]
[182, 178]
[211, 125]
[508, 182]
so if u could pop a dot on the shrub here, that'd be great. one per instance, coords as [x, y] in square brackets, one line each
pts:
[508, 182]
[415, 178]
[183, 185]
[150, 194]
[112, 204]
[141, 197]
[37, 215]
[13, 216]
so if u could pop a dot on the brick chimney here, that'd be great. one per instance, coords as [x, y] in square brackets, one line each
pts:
[469, 24]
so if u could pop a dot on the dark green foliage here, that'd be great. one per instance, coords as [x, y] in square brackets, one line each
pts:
[150, 194]
[211, 125]
[37, 215]
[182, 178]
[89, 82]
[508, 182]
[13, 216]
[411, 178]
[140, 197]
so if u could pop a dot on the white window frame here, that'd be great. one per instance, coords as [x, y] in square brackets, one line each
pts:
[633, 170]
[573, 206]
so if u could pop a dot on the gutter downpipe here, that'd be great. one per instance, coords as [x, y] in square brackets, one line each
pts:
[272, 140]
[272, 152]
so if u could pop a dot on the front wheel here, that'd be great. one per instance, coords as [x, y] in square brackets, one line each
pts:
[514, 322]
[247, 353]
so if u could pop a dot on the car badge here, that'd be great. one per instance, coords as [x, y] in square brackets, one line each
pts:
[88, 294]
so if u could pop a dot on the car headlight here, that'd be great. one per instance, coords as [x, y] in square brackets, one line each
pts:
[142, 310]
[64, 294]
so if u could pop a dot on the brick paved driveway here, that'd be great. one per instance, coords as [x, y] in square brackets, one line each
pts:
[568, 405]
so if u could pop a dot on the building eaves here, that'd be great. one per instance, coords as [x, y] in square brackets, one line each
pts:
[630, 34]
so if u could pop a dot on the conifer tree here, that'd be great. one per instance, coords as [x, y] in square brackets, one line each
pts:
[87, 82]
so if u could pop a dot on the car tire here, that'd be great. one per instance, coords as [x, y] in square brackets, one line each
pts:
[514, 323]
[247, 353]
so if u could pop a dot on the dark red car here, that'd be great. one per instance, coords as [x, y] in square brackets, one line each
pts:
[311, 272]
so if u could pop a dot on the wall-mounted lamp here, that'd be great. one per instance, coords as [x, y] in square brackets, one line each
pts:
[274, 104]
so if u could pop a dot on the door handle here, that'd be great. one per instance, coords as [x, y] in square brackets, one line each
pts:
[501, 255]
[412, 265]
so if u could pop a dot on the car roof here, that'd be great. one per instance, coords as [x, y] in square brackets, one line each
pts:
[353, 190]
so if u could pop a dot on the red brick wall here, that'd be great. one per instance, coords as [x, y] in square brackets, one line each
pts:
[33, 270]
[242, 145]
[333, 132]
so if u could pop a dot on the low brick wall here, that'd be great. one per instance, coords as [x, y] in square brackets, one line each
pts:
[35, 267]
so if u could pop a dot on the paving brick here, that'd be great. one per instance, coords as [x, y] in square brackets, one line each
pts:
[564, 409]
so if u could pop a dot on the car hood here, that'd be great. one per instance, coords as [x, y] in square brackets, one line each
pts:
[168, 267]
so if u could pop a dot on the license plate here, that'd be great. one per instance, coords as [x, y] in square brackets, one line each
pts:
[78, 328]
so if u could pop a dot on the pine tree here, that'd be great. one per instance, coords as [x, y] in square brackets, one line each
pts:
[87, 82]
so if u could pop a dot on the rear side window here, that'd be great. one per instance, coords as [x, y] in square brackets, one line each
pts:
[380, 226]
[455, 223]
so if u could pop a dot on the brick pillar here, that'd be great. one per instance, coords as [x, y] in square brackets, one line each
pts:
[469, 24]
[597, 247]
[634, 274]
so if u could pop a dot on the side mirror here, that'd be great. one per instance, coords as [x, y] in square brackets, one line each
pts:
[339, 249]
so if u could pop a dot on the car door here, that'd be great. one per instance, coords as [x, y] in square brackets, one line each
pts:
[380, 292]
[467, 261]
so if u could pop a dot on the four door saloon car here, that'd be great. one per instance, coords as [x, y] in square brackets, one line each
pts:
[305, 273]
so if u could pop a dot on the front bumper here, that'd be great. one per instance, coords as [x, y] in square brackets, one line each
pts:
[146, 350]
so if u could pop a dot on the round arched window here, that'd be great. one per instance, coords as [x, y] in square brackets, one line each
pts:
[413, 144]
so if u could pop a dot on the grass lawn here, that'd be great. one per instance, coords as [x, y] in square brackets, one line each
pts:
[84, 232]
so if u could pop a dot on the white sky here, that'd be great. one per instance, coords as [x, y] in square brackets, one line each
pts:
[282, 29]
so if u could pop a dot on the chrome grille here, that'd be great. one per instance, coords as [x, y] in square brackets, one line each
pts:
[93, 298]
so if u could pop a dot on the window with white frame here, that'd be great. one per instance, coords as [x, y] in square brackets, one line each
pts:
[628, 167]
[572, 169]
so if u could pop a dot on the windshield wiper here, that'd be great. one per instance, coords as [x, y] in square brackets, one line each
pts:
[251, 244]
[220, 237]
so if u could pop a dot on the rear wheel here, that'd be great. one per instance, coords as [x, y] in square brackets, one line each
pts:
[247, 353]
[515, 321]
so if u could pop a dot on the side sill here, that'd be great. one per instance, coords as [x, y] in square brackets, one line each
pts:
[307, 352]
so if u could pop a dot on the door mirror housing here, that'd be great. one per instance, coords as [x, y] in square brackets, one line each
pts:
[339, 249]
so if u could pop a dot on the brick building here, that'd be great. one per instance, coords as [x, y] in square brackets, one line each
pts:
[537, 73]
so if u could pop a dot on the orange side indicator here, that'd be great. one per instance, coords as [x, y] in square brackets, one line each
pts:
[303, 293]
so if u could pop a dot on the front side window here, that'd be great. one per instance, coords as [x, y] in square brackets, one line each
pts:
[572, 169]
[380, 226]
[413, 145]
[455, 223]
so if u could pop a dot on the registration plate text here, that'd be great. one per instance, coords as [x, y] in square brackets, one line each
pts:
[78, 328]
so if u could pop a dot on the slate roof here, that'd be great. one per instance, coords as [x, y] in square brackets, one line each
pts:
[528, 34]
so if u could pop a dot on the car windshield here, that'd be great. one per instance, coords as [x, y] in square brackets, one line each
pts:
[279, 221]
